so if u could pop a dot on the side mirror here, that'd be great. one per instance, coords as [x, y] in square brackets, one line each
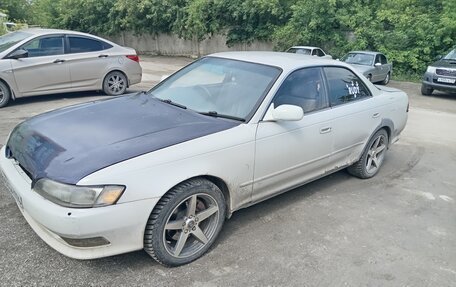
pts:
[287, 113]
[18, 54]
[378, 64]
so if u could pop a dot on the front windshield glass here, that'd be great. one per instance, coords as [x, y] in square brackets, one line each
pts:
[8, 40]
[359, 59]
[219, 86]
[451, 55]
[303, 51]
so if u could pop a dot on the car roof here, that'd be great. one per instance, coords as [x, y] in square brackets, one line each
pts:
[42, 31]
[305, 47]
[285, 61]
[366, 52]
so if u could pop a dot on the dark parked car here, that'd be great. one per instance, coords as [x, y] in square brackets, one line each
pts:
[440, 75]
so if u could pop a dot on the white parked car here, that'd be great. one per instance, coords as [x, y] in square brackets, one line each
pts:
[162, 170]
[309, 50]
[43, 61]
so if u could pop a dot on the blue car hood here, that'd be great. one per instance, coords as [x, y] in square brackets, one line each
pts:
[70, 143]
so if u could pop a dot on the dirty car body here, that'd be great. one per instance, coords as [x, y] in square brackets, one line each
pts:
[162, 170]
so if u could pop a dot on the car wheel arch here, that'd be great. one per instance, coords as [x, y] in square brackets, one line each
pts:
[10, 92]
[219, 182]
[385, 124]
[116, 69]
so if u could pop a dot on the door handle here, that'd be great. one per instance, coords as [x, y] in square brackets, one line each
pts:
[58, 61]
[376, 115]
[325, 130]
[102, 56]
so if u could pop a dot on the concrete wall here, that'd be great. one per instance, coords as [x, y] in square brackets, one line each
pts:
[167, 44]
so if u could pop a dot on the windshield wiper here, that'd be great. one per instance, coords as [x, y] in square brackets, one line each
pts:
[217, 115]
[168, 101]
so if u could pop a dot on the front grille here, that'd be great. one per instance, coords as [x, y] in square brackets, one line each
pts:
[446, 72]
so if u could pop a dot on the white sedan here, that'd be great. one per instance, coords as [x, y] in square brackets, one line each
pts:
[309, 50]
[162, 170]
[47, 61]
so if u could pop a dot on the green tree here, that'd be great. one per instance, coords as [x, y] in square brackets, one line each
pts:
[17, 10]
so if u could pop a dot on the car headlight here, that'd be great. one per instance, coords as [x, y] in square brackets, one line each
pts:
[78, 196]
[431, 69]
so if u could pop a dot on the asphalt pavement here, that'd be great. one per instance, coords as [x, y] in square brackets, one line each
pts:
[397, 229]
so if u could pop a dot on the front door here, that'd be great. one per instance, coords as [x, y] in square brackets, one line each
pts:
[289, 153]
[45, 70]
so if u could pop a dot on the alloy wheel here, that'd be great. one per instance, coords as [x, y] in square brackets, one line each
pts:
[191, 225]
[376, 154]
[116, 84]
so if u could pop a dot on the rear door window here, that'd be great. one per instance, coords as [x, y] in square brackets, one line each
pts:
[84, 45]
[320, 53]
[344, 86]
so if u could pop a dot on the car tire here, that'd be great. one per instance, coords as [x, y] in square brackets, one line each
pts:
[185, 222]
[426, 90]
[372, 158]
[5, 94]
[387, 79]
[115, 83]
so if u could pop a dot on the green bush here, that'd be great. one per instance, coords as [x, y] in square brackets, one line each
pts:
[410, 32]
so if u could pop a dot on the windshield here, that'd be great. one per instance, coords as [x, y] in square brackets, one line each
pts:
[8, 40]
[216, 86]
[304, 51]
[359, 59]
[451, 55]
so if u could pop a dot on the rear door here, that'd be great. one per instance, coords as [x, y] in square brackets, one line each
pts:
[356, 114]
[289, 153]
[89, 60]
[45, 70]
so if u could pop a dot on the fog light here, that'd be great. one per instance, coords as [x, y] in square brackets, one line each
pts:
[86, 242]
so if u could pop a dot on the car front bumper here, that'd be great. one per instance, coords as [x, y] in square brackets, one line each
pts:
[430, 80]
[80, 233]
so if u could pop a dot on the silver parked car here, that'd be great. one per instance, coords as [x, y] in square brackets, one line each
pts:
[373, 65]
[45, 61]
[170, 165]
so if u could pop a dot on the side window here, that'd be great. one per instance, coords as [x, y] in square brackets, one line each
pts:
[83, 45]
[45, 46]
[320, 53]
[303, 88]
[344, 86]
[377, 59]
[314, 52]
[383, 60]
